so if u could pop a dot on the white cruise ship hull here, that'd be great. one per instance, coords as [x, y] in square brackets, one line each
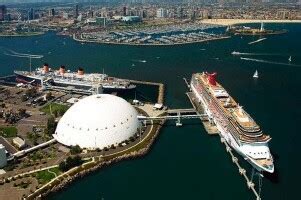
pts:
[239, 148]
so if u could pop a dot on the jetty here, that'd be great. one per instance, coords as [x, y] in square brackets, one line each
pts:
[161, 88]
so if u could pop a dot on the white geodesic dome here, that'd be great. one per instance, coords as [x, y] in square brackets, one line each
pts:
[97, 121]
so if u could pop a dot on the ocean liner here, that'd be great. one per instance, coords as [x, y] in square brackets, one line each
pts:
[234, 124]
[65, 78]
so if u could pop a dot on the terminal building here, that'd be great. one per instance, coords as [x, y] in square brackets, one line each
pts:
[98, 121]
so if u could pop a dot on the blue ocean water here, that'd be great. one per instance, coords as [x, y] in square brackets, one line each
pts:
[187, 163]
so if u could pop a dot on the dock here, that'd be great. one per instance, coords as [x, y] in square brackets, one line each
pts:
[161, 88]
[209, 127]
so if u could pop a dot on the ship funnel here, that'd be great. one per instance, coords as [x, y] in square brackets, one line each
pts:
[212, 78]
[46, 68]
[80, 71]
[62, 70]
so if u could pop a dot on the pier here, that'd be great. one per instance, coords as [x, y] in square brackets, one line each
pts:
[160, 99]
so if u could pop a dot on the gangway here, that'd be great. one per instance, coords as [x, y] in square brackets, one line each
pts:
[182, 111]
[177, 117]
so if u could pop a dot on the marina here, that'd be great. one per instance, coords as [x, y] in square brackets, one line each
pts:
[166, 35]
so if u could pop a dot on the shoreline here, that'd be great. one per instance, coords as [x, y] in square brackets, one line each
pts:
[229, 22]
[23, 35]
[97, 163]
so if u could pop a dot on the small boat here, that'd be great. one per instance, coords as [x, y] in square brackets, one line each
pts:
[255, 74]
[290, 59]
[235, 53]
[178, 124]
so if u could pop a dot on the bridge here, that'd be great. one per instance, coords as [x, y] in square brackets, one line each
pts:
[182, 111]
[176, 114]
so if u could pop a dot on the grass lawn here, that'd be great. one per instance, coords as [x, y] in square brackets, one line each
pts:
[46, 176]
[9, 131]
[55, 107]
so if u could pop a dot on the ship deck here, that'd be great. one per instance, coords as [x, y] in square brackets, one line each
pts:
[242, 126]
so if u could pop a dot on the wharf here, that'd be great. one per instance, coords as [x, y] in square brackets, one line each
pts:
[209, 127]
[160, 99]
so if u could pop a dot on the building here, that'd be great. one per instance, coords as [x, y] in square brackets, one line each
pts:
[98, 121]
[65, 15]
[3, 159]
[131, 19]
[76, 13]
[161, 13]
[2, 12]
[19, 142]
[51, 12]
[124, 11]
[31, 14]
[101, 21]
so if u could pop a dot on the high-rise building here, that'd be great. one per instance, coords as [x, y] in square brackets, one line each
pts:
[31, 14]
[124, 11]
[144, 13]
[161, 13]
[52, 12]
[2, 12]
[76, 13]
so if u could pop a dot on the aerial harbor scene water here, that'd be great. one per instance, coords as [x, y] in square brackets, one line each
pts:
[170, 105]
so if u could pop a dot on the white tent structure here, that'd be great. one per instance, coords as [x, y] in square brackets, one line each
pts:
[97, 121]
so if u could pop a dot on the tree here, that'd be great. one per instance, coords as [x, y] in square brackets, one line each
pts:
[75, 150]
[70, 162]
[51, 126]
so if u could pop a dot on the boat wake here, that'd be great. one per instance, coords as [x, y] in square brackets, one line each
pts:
[259, 40]
[268, 62]
[24, 56]
[9, 52]
[141, 61]
[236, 53]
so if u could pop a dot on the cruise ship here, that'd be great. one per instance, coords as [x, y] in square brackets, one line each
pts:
[66, 78]
[235, 125]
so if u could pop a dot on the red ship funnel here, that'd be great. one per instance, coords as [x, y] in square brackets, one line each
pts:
[80, 71]
[212, 78]
[62, 70]
[46, 68]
